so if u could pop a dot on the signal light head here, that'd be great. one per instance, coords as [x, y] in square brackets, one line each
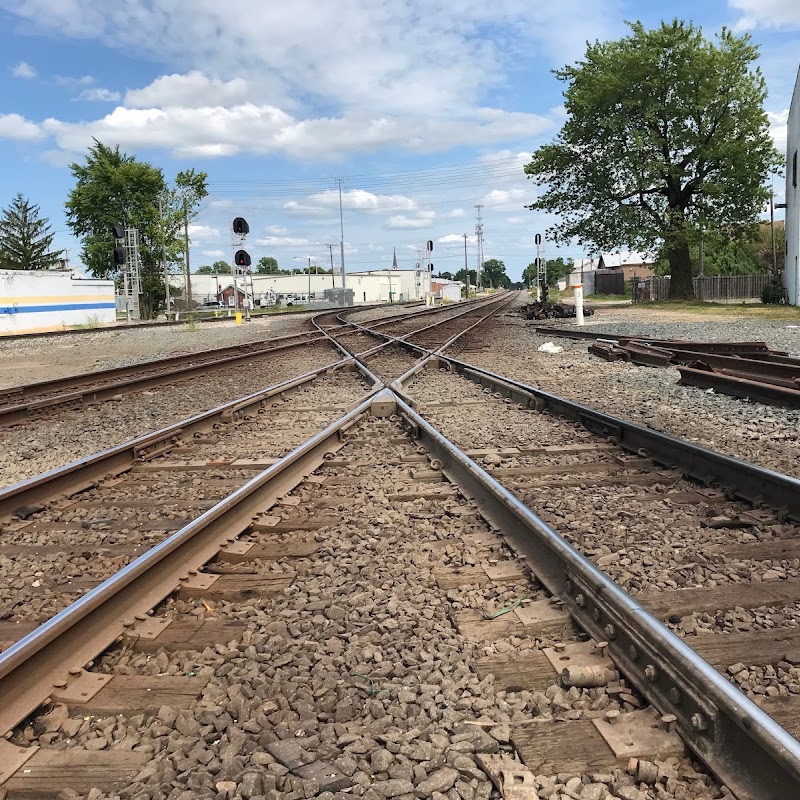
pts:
[242, 258]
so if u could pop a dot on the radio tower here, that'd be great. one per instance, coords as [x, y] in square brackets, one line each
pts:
[479, 236]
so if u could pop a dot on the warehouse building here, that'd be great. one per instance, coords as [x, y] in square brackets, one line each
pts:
[376, 286]
[791, 274]
[33, 301]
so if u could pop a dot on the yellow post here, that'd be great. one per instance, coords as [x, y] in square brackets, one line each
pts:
[238, 317]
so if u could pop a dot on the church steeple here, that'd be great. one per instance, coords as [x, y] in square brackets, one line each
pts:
[394, 259]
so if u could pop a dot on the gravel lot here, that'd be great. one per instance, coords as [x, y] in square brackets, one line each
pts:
[764, 435]
[37, 447]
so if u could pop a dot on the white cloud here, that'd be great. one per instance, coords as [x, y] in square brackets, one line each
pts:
[766, 14]
[352, 199]
[214, 253]
[24, 70]
[382, 90]
[452, 239]
[193, 90]
[506, 199]
[13, 126]
[99, 95]
[277, 230]
[200, 233]
[456, 213]
[777, 128]
[282, 241]
[404, 222]
[374, 60]
[515, 220]
[67, 80]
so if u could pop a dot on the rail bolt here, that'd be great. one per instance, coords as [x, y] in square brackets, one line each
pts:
[698, 722]
[650, 672]
[596, 614]
[610, 631]
[580, 600]
[668, 721]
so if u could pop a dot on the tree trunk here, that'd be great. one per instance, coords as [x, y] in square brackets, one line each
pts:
[680, 265]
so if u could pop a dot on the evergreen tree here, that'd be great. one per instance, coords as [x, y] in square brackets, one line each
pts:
[25, 237]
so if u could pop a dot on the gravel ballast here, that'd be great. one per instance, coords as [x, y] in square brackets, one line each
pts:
[42, 445]
[765, 435]
[354, 683]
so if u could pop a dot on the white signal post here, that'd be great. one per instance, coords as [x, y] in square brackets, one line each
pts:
[578, 295]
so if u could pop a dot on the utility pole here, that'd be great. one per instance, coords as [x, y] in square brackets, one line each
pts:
[164, 256]
[186, 246]
[479, 235]
[772, 231]
[339, 181]
[333, 274]
[466, 268]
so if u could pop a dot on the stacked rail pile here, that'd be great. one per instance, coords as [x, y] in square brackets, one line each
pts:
[748, 370]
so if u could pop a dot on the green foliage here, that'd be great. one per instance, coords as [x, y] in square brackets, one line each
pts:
[494, 275]
[666, 133]
[445, 275]
[557, 269]
[217, 268]
[111, 187]
[267, 265]
[467, 276]
[25, 237]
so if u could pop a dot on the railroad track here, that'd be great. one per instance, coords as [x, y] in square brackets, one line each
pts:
[355, 641]
[32, 401]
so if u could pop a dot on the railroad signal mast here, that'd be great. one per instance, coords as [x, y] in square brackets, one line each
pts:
[541, 270]
[128, 260]
[479, 237]
[241, 261]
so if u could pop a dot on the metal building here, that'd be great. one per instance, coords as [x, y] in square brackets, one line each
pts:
[792, 272]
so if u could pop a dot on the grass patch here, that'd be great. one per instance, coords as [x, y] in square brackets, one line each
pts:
[752, 310]
[608, 298]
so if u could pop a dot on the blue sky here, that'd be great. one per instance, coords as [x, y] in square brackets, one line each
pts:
[425, 108]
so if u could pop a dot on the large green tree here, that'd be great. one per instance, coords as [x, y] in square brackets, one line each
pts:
[557, 269]
[217, 268]
[666, 132]
[494, 274]
[112, 186]
[25, 237]
[267, 265]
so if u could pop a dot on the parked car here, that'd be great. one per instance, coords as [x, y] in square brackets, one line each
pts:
[212, 304]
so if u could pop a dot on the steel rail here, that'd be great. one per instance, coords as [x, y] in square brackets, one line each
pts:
[740, 479]
[403, 338]
[745, 386]
[26, 497]
[81, 378]
[30, 668]
[745, 747]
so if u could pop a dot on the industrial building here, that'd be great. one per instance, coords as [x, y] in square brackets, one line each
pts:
[376, 286]
[33, 301]
[791, 274]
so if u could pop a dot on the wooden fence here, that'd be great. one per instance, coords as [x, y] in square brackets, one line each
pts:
[708, 288]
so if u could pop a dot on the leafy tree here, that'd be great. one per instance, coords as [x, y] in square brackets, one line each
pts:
[114, 187]
[445, 275]
[666, 132]
[182, 205]
[494, 274]
[111, 187]
[25, 237]
[467, 276]
[267, 265]
[557, 269]
[217, 268]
